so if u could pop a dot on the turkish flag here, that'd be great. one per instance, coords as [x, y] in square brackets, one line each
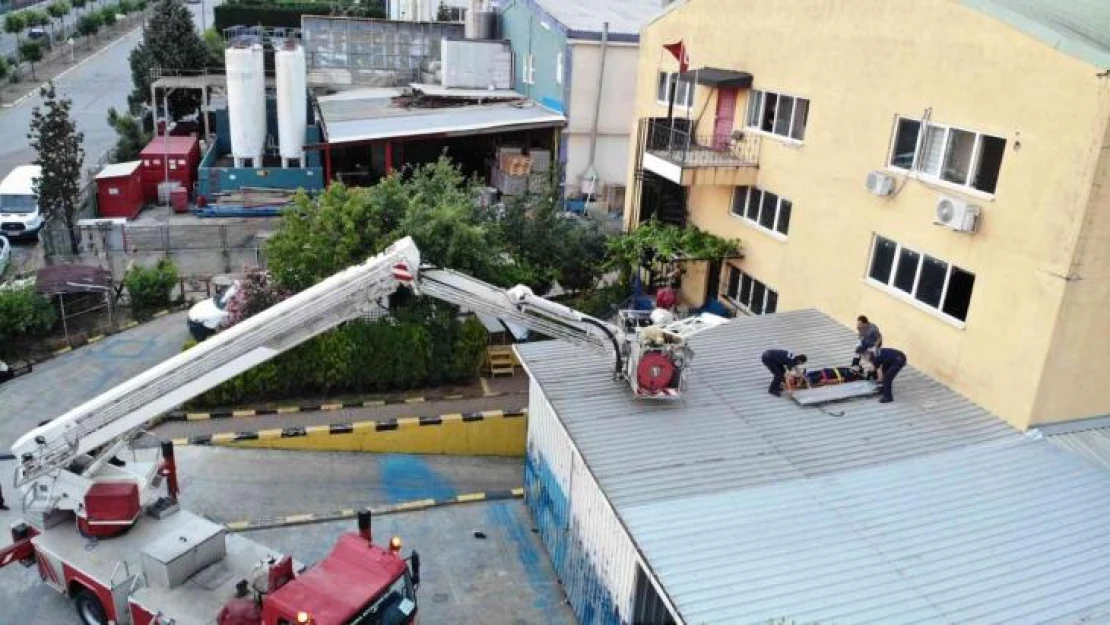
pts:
[678, 51]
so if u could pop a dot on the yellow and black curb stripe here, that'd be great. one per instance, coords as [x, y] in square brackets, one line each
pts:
[397, 508]
[100, 337]
[325, 407]
[384, 425]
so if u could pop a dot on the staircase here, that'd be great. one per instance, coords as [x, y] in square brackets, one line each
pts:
[501, 360]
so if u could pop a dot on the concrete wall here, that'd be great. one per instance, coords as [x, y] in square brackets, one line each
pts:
[616, 118]
[531, 31]
[861, 64]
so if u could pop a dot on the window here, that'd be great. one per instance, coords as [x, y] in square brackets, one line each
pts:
[778, 114]
[749, 294]
[559, 68]
[961, 157]
[930, 281]
[666, 82]
[529, 69]
[762, 208]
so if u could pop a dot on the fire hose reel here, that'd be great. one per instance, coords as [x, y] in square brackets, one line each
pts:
[654, 372]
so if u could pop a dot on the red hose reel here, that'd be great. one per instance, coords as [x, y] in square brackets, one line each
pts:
[654, 372]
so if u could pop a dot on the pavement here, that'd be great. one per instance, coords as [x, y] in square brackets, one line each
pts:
[64, 382]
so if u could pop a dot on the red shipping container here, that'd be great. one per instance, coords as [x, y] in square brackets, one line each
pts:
[119, 190]
[179, 200]
[180, 156]
[112, 501]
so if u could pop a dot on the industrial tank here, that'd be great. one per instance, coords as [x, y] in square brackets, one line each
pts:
[292, 105]
[246, 102]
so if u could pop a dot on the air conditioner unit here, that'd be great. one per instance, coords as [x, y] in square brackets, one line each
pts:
[956, 214]
[880, 183]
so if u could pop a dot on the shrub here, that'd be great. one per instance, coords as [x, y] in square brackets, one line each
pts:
[24, 315]
[89, 23]
[108, 14]
[150, 288]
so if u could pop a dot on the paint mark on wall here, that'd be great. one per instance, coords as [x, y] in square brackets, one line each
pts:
[548, 595]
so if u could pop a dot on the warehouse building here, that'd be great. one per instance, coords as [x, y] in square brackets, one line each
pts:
[734, 506]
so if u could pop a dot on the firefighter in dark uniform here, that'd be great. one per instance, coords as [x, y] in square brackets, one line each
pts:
[3, 506]
[888, 362]
[778, 362]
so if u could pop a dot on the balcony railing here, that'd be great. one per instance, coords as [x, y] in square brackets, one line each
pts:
[674, 142]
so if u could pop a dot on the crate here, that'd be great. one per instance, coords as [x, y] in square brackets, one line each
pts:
[516, 165]
[541, 160]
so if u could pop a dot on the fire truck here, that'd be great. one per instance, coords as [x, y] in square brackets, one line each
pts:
[108, 532]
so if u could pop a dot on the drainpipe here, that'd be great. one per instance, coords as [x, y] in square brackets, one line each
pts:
[589, 178]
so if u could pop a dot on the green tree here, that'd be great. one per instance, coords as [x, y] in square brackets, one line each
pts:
[57, 144]
[79, 4]
[5, 69]
[31, 52]
[150, 288]
[15, 23]
[170, 42]
[443, 13]
[24, 315]
[88, 25]
[58, 10]
[131, 139]
[34, 17]
[216, 46]
[109, 14]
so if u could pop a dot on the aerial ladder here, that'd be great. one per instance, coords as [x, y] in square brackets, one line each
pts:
[69, 468]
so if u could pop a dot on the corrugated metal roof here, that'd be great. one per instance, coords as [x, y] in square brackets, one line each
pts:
[1080, 28]
[1002, 532]
[115, 170]
[728, 431]
[1090, 438]
[748, 507]
[345, 127]
[584, 18]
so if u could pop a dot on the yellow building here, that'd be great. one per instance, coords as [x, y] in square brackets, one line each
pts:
[831, 137]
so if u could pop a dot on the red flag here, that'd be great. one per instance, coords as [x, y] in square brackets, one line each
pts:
[678, 51]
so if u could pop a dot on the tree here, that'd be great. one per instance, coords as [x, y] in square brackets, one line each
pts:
[35, 17]
[15, 23]
[88, 25]
[443, 13]
[216, 46]
[58, 10]
[108, 15]
[79, 4]
[150, 288]
[31, 52]
[131, 139]
[24, 314]
[170, 42]
[5, 69]
[57, 144]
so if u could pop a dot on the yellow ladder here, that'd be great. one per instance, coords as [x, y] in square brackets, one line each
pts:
[501, 360]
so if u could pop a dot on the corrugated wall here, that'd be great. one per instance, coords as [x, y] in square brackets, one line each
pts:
[591, 552]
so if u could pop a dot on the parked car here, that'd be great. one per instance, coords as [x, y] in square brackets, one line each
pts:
[20, 217]
[206, 317]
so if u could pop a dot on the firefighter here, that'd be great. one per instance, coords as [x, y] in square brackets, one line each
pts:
[3, 506]
[778, 362]
[888, 362]
[870, 338]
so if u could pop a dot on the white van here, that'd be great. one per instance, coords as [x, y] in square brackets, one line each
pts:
[20, 217]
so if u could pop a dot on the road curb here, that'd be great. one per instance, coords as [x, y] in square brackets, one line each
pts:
[100, 337]
[235, 413]
[384, 425]
[397, 508]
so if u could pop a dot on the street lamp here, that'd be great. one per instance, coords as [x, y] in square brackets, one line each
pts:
[69, 42]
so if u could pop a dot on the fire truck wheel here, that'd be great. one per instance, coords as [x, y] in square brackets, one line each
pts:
[89, 609]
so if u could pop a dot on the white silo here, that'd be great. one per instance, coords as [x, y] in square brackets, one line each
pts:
[292, 106]
[246, 102]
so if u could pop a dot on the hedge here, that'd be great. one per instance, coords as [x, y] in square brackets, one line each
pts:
[281, 15]
[150, 288]
[361, 357]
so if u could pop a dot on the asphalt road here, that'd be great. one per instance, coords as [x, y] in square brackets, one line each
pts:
[96, 84]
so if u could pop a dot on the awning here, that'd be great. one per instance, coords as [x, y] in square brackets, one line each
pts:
[445, 122]
[60, 279]
[717, 77]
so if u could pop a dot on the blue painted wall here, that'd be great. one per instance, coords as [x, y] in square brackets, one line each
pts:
[590, 599]
[531, 30]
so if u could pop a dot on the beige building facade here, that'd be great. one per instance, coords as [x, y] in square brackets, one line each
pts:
[942, 166]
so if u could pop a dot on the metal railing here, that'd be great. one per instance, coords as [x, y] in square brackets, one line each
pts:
[673, 141]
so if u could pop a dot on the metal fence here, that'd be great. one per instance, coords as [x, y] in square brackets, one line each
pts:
[677, 141]
[374, 52]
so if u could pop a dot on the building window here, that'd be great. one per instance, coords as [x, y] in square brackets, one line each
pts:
[529, 69]
[961, 157]
[928, 280]
[664, 85]
[778, 114]
[762, 208]
[749, 294]
[559, 68]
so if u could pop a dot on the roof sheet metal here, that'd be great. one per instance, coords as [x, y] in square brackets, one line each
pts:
[116, 170]
[585, 17]
[463, 120]
[728, 432]
[1080, 28]
[1089, 438]
[749, 508]
[1011, 531]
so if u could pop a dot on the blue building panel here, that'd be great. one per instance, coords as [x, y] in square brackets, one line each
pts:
[532, 31]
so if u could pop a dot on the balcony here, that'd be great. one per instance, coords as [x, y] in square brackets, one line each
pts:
[674, 151]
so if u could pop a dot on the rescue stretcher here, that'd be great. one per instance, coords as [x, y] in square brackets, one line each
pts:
[837, 387]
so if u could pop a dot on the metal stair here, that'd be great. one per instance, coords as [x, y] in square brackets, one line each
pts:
[501, 360]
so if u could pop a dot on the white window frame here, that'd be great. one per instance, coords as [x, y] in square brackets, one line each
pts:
[911, 297]
[529, 76]
[559, 68]
[743, 216]
[683, 103]
[735, 301]
[915, 168]
[758, 98]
